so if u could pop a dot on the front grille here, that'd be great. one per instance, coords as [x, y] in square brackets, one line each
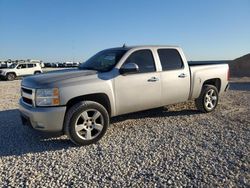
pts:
[27, 96]
[25, 90]
[28, 101]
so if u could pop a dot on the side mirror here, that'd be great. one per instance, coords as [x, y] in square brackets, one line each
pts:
[129, 68]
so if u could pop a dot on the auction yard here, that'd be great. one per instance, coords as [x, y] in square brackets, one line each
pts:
[172, 146]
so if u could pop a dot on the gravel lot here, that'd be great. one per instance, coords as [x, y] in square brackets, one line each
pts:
[172, 146]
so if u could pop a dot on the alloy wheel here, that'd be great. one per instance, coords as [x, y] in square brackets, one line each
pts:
[89, 124]
[210, 99]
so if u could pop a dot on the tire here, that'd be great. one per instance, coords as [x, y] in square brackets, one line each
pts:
[86, 122]
[10, 76]
[208, 99]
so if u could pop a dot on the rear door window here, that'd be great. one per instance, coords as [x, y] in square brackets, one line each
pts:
[144, 59]
[21, 66]
[170, 59]
[30, 65]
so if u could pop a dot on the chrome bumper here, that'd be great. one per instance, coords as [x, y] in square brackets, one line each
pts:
[48, 119]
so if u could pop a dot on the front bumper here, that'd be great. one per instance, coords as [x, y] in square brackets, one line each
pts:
[47, 119]
[2, 77]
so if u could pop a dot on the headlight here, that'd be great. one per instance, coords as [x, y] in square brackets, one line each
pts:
[47, 97]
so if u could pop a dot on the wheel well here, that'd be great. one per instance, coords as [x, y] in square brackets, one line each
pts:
[11, 73]
[37, 71]
[100, 98]
[215, 82]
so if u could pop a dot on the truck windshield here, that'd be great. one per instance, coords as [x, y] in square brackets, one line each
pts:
[103, 61]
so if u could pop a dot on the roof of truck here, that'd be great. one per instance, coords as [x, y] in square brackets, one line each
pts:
[144, 46]
[154, 46]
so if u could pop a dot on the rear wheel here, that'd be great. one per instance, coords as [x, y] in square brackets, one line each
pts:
[11, 76]
[86, 122]
[208, 99]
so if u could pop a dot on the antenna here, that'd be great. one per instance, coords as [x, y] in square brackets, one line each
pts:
[124, 45]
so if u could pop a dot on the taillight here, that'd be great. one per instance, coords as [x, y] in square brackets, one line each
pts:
[228, 74]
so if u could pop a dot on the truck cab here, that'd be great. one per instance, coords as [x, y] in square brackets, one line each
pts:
[156, 81]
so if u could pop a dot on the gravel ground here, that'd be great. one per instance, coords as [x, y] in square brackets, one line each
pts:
[172, 146]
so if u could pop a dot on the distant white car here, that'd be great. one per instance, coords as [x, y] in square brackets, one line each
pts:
[21, 69]
[76, 64]
[68, 64]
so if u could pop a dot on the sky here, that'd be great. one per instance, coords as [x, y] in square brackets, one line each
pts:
[61, 30]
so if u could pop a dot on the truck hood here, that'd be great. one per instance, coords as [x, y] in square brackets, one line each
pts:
[57, 78]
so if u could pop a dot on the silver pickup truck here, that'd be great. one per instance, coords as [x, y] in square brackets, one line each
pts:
[79, 102]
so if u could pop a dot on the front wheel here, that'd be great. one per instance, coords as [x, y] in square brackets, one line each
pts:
[86, 122]
[208, 99]
[11, 76]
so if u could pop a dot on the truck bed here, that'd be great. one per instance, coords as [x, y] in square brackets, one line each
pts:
[196, 63]
[203, 72]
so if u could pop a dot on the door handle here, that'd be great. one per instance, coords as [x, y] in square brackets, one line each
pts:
[153, 79]
[182, 75]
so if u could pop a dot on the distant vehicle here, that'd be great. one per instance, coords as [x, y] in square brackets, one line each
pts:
[33, 61]
[116, 81]
[68, 64]
[42, 65]
[47, 65]
[60, 65]
[5, 64]
[54, 65]
[20, 69]
[76, 64]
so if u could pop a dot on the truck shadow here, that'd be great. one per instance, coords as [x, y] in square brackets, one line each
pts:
[16, 139]
[154, 113]
[240, 86]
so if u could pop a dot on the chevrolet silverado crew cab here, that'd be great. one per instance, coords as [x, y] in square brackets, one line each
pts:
[80, 102]
[20, 69]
